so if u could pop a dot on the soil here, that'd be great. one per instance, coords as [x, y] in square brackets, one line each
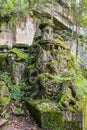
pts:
[25, 122]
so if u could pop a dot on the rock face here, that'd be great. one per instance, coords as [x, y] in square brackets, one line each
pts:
[25, 31]
[60, 14]
[51, 75]
[49, 63]
[22, 33]
[6, 34]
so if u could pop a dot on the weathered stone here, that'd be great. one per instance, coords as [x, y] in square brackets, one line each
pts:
[3, 121]
[47, 61]
[25, 31]
[3, 89]
[7, 34]
[61, 16]
[20, 46]
[47, 29]
[45, 113]
[18, 72]
[10, 59]
[47, 33]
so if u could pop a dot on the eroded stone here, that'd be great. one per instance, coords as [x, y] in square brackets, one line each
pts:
[3, 121]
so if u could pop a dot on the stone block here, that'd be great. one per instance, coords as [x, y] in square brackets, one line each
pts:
[45, 113]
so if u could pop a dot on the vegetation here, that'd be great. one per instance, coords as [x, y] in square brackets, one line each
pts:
[14, 8]
[10, 94]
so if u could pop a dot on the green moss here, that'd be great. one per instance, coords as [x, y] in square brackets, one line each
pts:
[54, 62]
[60, 103]
[43, 75]
[60, 38]
[85, 116]
[71, 109]
[43, 105]
[30, 67]
[4, 100]
[61, 43]
[75, 125]
[67, 55]
[18, 53]
[52, 119]
[81, 104]
[84, 72]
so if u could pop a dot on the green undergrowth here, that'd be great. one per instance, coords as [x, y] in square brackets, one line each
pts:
[3, 56]
[11, 94]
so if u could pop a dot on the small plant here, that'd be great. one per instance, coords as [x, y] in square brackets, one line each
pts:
[16, 92]
[6, 115]
[5, 77]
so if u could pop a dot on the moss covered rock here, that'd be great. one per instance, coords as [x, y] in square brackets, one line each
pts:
[18, 53]
[49, 117]
[46, 113]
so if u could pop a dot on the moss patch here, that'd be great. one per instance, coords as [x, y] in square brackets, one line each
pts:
[18, 53]
[61, 43]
